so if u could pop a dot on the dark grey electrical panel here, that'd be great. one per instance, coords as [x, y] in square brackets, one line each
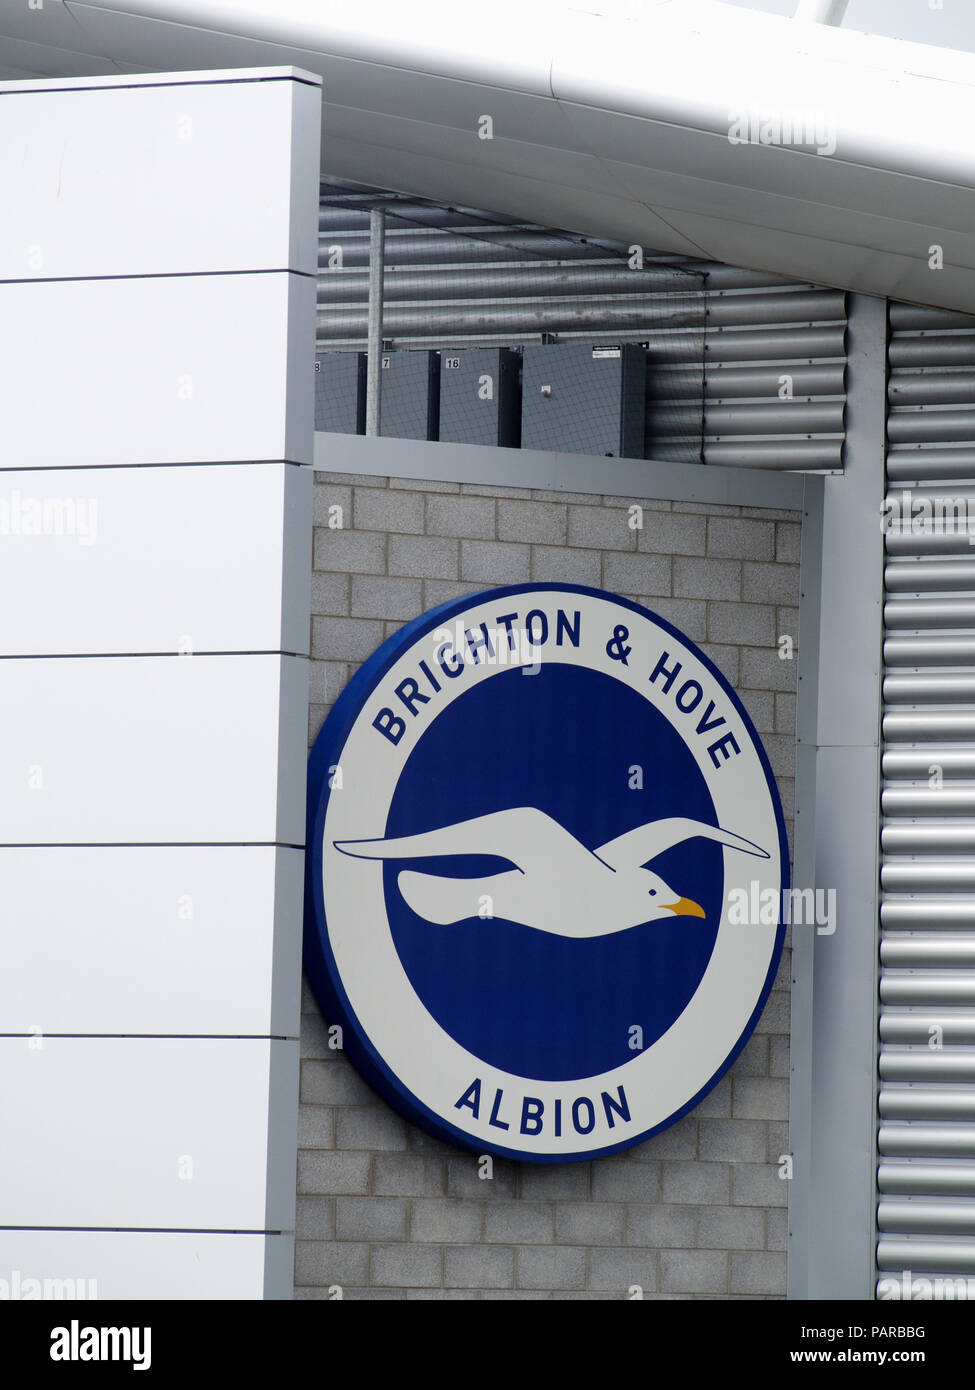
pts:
[480, 399]
[410, 395]
[581, 399]
[340, 392]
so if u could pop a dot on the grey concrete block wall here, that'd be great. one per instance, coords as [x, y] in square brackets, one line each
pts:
[385, 1211]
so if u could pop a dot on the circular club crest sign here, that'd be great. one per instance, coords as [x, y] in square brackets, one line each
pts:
[532, 816]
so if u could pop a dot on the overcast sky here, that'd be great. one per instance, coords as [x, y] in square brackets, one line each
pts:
[950, 26]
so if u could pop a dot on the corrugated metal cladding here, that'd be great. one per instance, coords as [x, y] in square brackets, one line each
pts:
[926, 1178]
[744, 368]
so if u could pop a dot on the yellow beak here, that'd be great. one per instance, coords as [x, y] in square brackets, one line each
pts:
[684, 907]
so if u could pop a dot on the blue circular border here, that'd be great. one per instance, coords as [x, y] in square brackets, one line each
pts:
[319, 961]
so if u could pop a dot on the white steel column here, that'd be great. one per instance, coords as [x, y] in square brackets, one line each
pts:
[832, 1126]
[158, 252]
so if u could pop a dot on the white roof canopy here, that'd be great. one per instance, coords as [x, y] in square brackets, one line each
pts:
[682, 125]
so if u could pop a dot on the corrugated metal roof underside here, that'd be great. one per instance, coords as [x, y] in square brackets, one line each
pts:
[926, 1146]
[745, 368]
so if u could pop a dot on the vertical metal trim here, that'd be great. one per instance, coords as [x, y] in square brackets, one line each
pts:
[832, 1250]
[804, 876]
[377, 243]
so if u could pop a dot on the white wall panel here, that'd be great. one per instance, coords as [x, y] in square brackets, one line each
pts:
[214, 558]
[169, 370]
[142, 1265]
[190, 200]
[157, 323]
[299, 442]
[167, 749]
[112, 1122]
[158, 939]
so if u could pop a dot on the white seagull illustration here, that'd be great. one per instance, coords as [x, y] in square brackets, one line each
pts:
[557, 884]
